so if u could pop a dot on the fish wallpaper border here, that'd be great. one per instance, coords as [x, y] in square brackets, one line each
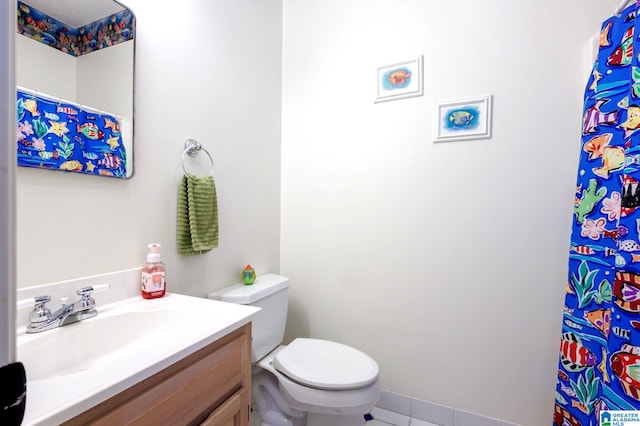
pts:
[463, 120]
[109, 31]
[400, 80]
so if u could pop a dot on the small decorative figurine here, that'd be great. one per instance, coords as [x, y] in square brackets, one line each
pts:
[248, 275]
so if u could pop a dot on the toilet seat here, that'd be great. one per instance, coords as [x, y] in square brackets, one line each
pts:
[326, 365]
[312, 400]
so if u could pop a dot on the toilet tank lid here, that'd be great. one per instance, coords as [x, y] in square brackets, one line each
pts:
[243, 294]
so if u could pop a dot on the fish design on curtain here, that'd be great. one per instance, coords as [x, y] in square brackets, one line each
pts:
[599, 366]
[56, 135]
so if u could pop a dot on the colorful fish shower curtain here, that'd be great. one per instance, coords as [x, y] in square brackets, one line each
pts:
[599, 366]
[52, 134]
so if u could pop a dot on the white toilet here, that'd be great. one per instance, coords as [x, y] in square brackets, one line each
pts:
[308, 382]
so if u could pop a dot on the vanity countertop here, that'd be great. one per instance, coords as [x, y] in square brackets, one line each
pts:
[73, 368]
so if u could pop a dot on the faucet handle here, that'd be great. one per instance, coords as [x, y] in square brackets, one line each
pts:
[26, 303]
[40, 312]
[88, 302]
[38, 302]
[86, 291]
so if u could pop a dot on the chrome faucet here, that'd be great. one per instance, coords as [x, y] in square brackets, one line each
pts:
[41, 318]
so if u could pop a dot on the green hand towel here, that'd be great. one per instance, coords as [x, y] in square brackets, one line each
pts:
[197, 215]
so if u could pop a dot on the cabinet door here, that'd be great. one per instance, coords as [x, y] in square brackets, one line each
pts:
[233, 412]
[184, 393]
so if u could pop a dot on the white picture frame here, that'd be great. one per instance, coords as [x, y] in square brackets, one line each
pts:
[400, 80]
[462, 120]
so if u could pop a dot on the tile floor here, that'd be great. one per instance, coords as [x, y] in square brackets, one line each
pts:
[395, 409]
[383, 417]
[380, 418]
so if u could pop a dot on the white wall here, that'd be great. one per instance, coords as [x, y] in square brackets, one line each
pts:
[97, 79]
[212, 74]
[103, 76]
[45, 69]
[445, 262]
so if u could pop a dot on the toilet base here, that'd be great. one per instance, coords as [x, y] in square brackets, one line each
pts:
[273, 410]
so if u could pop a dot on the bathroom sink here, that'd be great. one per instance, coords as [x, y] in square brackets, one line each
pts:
[75, 367]
[96, 341]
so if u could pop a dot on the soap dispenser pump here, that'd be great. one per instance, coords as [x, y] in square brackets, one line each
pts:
[153, 283]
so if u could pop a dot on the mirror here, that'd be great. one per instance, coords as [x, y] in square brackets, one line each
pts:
[75, 72]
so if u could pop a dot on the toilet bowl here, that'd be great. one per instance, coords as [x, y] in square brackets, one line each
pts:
[324, 395]
[310, 382]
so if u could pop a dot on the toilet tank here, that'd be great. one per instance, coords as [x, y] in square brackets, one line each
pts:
[270, 292]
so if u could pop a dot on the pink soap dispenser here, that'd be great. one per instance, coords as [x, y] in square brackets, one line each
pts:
[153, 283]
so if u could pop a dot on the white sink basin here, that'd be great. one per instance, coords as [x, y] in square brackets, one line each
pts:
[74, 367]
[93, 342]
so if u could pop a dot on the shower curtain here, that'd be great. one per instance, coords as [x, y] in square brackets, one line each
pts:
[599, 366]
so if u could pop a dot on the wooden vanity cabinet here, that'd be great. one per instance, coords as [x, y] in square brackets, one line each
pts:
[210, 387]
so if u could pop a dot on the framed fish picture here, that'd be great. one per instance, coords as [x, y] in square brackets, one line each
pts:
[465, 119]
[400, 80]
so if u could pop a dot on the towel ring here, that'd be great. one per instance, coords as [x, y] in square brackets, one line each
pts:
[192, 147]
